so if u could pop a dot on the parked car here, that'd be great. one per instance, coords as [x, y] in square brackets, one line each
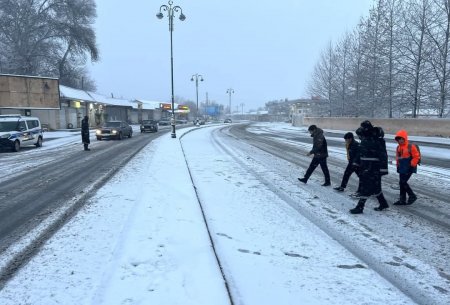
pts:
[114, 130]
[17, 131]
[164, 122]
[227, 121]
[149, 125]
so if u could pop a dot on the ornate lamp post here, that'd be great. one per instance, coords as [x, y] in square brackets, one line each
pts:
[196, 76]
[170, 14]
[230, 91]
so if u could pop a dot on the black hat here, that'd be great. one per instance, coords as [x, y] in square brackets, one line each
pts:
[366, 125]
[378, 132]
[348, 135]
[312, 128]
[359, 131]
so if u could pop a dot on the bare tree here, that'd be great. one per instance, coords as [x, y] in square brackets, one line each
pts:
[414, 52]
[393, 11]
[323, 77]
[439, 32]
[342, 58]
[51, 37]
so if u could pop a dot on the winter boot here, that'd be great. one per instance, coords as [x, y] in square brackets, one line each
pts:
[327, 183]
[304, 180]
[411, 199]
[383, 203]
[400, 202]
[359, 207]
[339, 188]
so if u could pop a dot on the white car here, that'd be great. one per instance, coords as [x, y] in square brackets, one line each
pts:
[17, 131]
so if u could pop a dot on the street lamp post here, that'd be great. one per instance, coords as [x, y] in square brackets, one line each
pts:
[230, 91]
[196, 76]
[170, 14]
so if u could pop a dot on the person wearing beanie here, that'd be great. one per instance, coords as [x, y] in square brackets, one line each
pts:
[320, 155]
[352, 147]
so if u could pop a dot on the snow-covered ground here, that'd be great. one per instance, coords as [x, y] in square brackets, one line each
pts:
[142, 239]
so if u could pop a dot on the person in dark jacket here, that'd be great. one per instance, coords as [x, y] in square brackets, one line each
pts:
[85, 132]
[320, 153]
[352, 147]
[407, 157]
[371, 159]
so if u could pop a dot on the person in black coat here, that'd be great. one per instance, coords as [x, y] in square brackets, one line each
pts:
[320, 152]
[372, 161]
[352, 147]
[85, 132]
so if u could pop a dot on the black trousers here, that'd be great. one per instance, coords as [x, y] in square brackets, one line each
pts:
[404, 186]
[349, 170]
[323, 165]
[381, 200]
[85, 146]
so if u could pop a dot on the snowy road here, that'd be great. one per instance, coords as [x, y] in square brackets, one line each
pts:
[207, 217]
[407, 250]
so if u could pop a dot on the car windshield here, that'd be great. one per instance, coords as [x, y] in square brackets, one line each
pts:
[112, 124]
[148, 122]
[8, 126]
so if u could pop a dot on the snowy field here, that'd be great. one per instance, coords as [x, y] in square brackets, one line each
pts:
[142, 238]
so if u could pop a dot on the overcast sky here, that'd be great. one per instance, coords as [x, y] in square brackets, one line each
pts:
[265, 50]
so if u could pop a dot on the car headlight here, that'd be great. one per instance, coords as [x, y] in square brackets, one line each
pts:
[114, 131]
[98, 131]
[5, 136]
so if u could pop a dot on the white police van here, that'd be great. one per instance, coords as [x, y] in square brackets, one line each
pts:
[17, 131]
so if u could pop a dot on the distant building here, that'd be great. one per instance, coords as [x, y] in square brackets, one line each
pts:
[310, 107]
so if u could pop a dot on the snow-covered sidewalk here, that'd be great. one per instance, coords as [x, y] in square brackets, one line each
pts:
[142, 239]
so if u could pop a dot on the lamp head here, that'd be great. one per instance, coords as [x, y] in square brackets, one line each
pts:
[201, 79]
[182, 17]
[159, 15]
[192, 79]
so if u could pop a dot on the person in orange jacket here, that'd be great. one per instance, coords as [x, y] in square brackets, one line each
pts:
[407, 157]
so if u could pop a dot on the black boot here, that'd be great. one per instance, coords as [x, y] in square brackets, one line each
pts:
[411, 199]
[304, 180]
[359, 207]
[383, 203]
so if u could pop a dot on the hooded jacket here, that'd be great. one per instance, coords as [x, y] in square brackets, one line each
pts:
[406, 162]
[319, 149]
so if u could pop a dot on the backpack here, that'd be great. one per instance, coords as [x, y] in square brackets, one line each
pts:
[418, 149]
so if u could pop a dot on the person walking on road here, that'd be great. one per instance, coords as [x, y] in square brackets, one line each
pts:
[407, 157]
[85, 133]
[352, 147]
[372, 161]
[320, 154]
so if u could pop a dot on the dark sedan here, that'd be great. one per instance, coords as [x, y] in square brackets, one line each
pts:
[149, 125]
[114, 130]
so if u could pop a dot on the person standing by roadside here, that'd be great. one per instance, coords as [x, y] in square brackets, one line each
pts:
[320, 155]
[85, 132]
[407, 157]
[352, 147]
[371, 161]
